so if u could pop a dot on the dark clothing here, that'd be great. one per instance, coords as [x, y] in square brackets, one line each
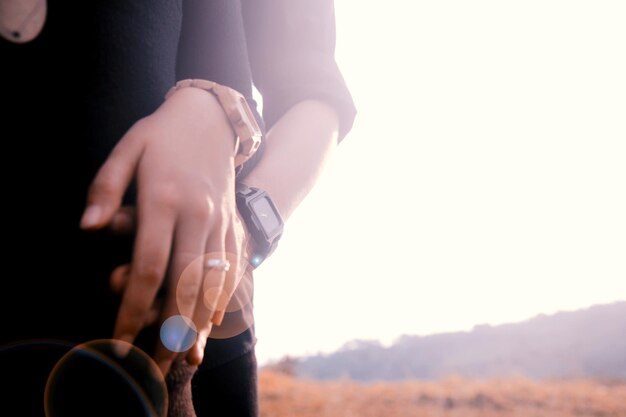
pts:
[130, 52]
[234, 383]
[291, 44]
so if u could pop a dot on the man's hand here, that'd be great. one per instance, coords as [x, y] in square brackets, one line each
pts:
[182, 158]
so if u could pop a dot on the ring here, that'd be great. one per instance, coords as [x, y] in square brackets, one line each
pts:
[217, 263]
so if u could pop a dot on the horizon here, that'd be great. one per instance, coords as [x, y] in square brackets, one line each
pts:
[388, 344]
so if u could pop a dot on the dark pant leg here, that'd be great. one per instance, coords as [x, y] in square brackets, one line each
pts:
[228, 390]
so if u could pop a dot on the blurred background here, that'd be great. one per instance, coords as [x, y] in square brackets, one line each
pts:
[483, 183]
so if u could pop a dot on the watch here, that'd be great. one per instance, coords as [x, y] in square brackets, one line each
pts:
[262, 219]
[238, 112]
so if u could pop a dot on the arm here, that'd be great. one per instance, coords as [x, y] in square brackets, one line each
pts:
[306, 103]
[291, 46]
[298, 147]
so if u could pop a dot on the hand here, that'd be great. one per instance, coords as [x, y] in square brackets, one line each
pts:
[237, 291]
[182, 157]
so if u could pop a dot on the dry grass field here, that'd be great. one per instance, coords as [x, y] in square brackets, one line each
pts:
[284, 396]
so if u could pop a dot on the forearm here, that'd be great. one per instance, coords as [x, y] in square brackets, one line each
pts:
[298, 146]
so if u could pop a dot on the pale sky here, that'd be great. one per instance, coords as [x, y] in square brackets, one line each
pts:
[483, 182]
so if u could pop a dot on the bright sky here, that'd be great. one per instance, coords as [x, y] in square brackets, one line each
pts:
[483, 182]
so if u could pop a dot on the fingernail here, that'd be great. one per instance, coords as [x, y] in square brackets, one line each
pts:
[121, 348]
[121, 222]
[90, 217]
[194, 360]
[218, 317]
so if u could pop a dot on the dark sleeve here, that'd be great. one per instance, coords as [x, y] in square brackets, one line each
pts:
[212, 46]
[291, 46]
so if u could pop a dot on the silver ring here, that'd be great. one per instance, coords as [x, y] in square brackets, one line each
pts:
[217, 263]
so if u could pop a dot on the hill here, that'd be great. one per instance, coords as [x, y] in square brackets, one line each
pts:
[589, 343]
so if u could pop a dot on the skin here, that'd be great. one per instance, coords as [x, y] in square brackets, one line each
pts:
[182, 159]
[298, 147]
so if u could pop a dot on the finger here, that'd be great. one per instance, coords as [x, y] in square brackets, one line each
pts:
[108, 187]
[124, 221]
[149, 264]
[210, 298]
[211, 294]
[214, 298]
[234, 252]
[196, 353]
[153, 315]
[185, 279]
[119, 278]
[218, 317]
[243, 294]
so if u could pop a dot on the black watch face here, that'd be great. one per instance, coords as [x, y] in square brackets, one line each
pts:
[266, 215]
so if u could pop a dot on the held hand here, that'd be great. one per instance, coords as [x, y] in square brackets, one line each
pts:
[124, 222]
[182, 159]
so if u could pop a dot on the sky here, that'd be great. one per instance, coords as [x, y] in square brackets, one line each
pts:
[483, 181]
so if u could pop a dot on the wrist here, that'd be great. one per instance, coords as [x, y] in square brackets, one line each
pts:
[237, 111]
[200, 118]
[199, 107]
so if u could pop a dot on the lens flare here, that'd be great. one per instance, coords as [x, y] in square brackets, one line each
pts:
[91, 379]
[178, 333]
[230, 291]
[256, 260]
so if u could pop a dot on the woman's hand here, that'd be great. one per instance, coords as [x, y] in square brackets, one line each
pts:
[236, 293]
[182, 158]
